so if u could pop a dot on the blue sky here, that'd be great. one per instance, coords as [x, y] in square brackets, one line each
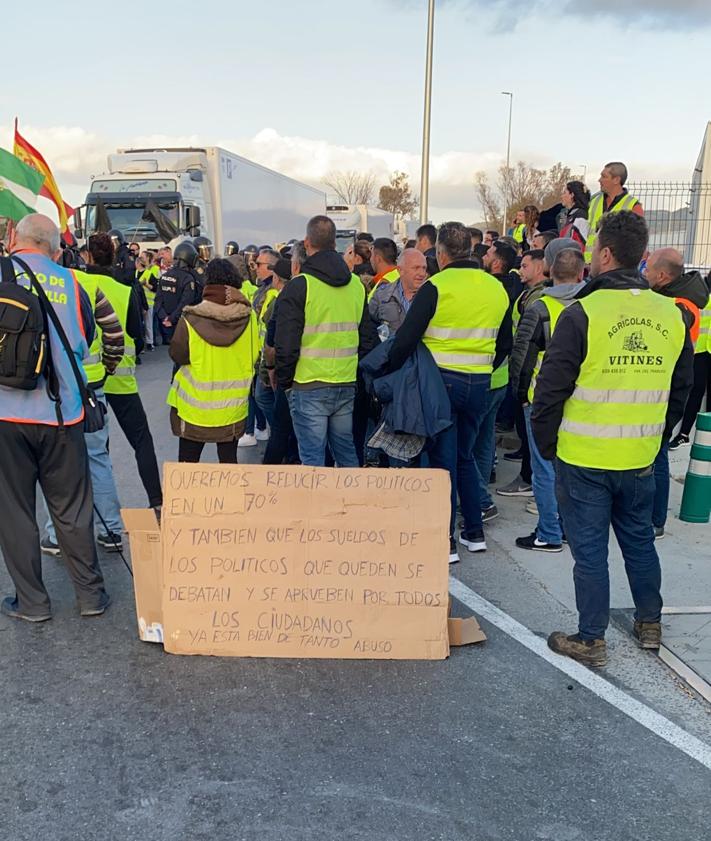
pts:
[319, 85]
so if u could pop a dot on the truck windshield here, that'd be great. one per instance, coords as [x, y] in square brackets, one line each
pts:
[126, 217]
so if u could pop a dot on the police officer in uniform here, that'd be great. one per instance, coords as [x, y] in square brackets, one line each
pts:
[612, 387]
[205, 253]
[124, 266]
[231, 248]
[176, 289]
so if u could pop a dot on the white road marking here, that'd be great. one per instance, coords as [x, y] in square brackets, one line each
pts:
[639, 712]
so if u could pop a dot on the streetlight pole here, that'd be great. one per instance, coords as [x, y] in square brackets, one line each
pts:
[425, 174]
[585, 171]
[507, 188]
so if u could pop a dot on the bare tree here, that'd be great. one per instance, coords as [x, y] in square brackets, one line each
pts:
[522, 184]
[396, 197]
[351, 187]
[488, 201]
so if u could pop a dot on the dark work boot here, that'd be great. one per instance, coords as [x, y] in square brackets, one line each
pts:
[589, 652]
[648, 634]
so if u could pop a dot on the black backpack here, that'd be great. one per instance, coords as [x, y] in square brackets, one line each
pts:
[23, 333]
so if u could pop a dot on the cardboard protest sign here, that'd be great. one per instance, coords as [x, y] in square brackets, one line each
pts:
[305, 562]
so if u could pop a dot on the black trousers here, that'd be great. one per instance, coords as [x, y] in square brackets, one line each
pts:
[281, 447]
[132, 419]
[701, 387]
[191, 451]
[57, 459]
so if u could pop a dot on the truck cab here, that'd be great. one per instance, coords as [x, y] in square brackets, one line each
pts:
[154, 197]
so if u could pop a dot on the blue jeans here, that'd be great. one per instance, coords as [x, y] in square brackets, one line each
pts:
[661, 483]
[102, 480]
[453, 449]
[254, 413]
[264, 398]
[485, 444]
[590, 501]
[324, 417]
[543, 481]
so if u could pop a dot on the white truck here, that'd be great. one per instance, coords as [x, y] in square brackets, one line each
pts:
[353, 219]
[161, 196]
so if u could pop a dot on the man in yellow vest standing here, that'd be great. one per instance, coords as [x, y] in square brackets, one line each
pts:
[323, 328]
[121, 388]
[612, 386]
[612, 198]
[458, 314]
[532, 338]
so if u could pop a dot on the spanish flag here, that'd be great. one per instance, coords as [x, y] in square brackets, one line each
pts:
[30, 156]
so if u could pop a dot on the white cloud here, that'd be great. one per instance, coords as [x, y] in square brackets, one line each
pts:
[76, 154]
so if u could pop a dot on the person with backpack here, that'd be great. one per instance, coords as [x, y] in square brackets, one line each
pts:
[43, 403]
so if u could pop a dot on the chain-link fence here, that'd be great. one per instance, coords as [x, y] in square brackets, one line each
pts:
[679, 216]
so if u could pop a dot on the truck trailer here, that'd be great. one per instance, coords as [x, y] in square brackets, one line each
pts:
[159, 197]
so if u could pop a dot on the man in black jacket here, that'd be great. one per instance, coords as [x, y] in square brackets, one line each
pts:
[482, 305]
[321, 372]
[597, 407]
[665, 273]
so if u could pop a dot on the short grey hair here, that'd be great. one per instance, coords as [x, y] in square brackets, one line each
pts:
[617, 170]
[298, 252]
[271, 255]
[41, 230]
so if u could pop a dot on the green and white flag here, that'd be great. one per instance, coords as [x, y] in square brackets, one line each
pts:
[19, 185]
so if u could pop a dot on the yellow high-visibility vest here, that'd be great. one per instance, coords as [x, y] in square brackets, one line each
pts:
[329, 345]
[703, 343]
[213, 390]
[123, 380]
[471, 304]
[555, 308]
[595, 213]
[615, 418]
[150, 274]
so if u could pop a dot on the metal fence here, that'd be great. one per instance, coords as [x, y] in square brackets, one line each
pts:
[679, 216]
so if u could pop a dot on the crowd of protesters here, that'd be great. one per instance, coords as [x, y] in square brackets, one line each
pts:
[427, 355]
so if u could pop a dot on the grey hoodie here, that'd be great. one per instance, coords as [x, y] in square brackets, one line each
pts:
[533, 335]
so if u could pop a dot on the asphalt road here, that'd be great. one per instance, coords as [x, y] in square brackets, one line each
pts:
[106, 737]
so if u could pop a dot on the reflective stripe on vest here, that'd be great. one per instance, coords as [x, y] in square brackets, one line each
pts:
[35, 406]
[471, 304]
[93, 365]
[213, 390]
[615, 417]
[704, 341]
[596, 211]
[329, 344]
[153, 273]
[268, 298]
[123, 380]
[389, 277]
[555, 308]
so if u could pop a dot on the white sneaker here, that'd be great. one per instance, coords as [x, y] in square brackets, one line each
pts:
[532, 508]
[262, 434]
[474, 543]
[247, 441]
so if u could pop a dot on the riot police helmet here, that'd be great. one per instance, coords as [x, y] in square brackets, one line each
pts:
[185, 255]
[231, 248]
[204, 248]
[117, 237]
